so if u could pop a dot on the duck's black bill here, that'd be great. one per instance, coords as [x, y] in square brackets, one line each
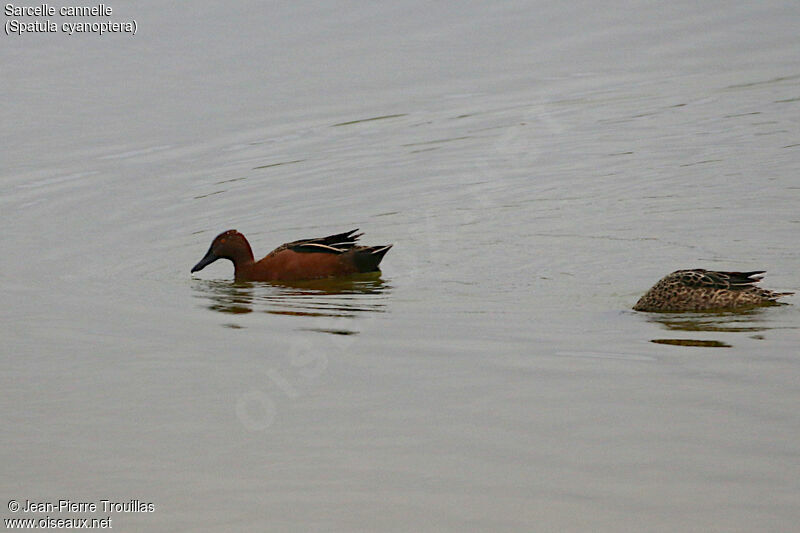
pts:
[205, 261]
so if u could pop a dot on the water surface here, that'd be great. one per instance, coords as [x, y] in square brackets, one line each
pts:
[536, 165]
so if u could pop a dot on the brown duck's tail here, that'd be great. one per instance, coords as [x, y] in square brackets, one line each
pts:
[779, 294]
[747, 280]
[368, 258]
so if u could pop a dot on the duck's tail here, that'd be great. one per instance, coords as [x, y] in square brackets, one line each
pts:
[368, 258]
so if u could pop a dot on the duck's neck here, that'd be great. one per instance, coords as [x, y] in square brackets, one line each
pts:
[242, 269]
[242, 260]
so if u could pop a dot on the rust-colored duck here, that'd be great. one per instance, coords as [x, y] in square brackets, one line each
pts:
[324, 257]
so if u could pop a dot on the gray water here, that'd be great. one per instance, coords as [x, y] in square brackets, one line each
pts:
[537, 165]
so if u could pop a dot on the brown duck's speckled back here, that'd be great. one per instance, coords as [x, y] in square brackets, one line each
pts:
[698, 290]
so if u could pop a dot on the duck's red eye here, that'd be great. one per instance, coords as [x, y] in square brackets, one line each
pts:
[221, 241]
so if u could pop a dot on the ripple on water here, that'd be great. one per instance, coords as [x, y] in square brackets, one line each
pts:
[750, 320]
[330, 298]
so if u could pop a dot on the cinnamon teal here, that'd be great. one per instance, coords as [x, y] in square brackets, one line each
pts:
[324, 257]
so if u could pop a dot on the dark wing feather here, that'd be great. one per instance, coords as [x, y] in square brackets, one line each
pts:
[720, 279]
[332, 244]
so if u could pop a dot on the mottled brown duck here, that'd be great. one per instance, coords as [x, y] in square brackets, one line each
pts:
[700, 290]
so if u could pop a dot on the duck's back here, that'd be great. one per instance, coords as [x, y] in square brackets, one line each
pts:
[331, 256]
[699, 289]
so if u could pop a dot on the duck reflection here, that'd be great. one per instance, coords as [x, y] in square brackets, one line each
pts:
[692, 342]
[749, 320]
[333, 297]
[225, 297]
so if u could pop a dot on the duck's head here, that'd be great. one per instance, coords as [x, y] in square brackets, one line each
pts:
[228, 245]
